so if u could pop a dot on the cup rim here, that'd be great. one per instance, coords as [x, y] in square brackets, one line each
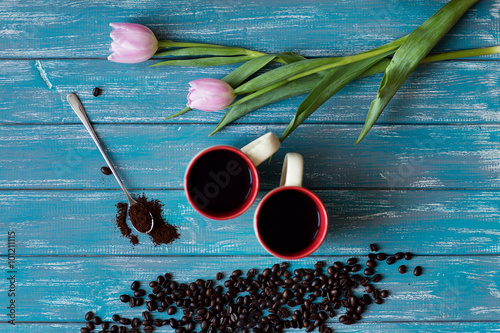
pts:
[248, 202]
[321, 233]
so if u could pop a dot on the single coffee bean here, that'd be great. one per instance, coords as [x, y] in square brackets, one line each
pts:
[105, 170]
[355, 268]
[402, 269]
[408, 256]
[135, 285]
[417, 271]
[399, 255]
[115, 317]
[125, 321]
[84, 330]
[124, 298]
[377, 278]
[373, 247]
[237, 272]
[113, 329]
[368, 271]
[139, 293]
[338, 265]
[105, 325]
[148, 329]
[219, 276]
[371, 263]
[171, 310]
[369, 288]
[97, 320]
[96, 91]
[90, 325]
[89, 315]
[384, 293]
[379, 301]
[135, 323]
[352, 261]
[131, 302]
[390, 260]
[139, 301]
[381, 256]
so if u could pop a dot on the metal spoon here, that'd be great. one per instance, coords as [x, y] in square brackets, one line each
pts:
[77, 106]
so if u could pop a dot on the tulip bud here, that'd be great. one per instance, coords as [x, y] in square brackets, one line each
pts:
[210, 94]
[132, 43]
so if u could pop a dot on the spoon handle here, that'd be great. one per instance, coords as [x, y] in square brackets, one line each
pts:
[77, 106]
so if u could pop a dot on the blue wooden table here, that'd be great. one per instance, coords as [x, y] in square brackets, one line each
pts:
[426, 179]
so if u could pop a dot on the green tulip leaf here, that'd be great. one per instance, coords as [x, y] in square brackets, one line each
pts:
[416, 46]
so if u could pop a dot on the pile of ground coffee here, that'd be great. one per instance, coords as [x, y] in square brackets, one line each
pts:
[162, 233]
[121, 223]
[266, 301]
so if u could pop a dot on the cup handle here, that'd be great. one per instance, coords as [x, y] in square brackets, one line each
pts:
[293, 168]
[262, 148]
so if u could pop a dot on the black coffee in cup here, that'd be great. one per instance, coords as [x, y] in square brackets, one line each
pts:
[219, 181]
[288, 222]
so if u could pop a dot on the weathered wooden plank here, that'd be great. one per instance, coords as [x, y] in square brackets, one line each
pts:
[155, 155]
[315, 28]
[423, 222]
[61, 289]
[446, 92]
[361, 327]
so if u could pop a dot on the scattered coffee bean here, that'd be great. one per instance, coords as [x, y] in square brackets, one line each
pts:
[399, 255]
[135, 285]
[209, 307]
[408, 256]
[417, 271]
[105, 170]
[89, 315]
[352, 261]
[371, 263]
[84, 330]
[402, 269]
[90, 325]
[97, 320]
[96, 91]
[373, 248]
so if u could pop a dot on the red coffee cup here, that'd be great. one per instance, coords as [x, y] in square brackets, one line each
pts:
[222, 182]
[291, 222]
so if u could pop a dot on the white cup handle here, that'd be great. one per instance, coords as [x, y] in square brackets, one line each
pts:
[293, 168]
[262, 148]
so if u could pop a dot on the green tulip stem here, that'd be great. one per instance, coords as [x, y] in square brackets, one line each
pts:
[165, 44]
[259, 92]
[462, 54]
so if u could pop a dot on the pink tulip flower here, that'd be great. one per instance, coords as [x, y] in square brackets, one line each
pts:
[210, 95]
[132, 43]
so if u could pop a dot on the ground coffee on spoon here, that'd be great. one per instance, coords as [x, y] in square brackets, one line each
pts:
[162, 233]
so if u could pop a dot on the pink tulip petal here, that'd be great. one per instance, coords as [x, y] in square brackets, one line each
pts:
[132, 43]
